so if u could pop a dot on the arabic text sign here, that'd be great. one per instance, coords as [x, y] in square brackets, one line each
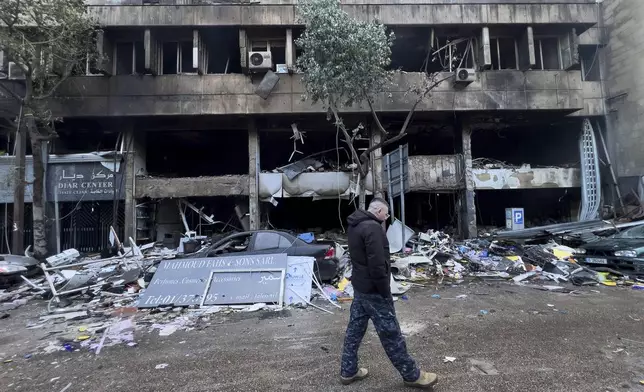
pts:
[83, 180]
[235, 287]
[183, 282]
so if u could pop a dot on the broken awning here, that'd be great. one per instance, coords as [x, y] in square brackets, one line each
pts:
[316, 185]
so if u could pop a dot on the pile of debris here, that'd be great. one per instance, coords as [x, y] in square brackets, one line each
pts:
[434, 256]
[96, 278]
[96, 302]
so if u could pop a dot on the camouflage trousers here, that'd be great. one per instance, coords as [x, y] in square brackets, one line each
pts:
[383, 316]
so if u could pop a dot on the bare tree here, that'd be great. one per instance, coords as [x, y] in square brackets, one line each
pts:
[47, 40]
[345, 62]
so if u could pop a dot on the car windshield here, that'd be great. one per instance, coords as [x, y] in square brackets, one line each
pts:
[635, 232]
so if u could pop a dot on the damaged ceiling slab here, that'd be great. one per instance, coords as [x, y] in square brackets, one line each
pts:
[163, 188]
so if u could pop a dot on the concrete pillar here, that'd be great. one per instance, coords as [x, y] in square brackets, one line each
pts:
[290, 55]
[376, 162]
[135, 165]
[527, 54]
[253, 175]
[243, 48]
[468, 211]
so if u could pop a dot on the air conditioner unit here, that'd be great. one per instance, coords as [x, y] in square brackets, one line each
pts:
[465, 75]
[15, 71]
[258, 61]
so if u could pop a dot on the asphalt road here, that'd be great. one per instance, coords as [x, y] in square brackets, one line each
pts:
[589, 341]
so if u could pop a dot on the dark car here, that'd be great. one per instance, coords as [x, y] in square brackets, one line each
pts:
[623, 251]
[270, 241]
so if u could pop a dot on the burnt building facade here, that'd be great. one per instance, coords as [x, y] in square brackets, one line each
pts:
[177, 99]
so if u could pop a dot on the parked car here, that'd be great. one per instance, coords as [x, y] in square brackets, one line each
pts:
[272, 241]
[13, 266]
[623, 251]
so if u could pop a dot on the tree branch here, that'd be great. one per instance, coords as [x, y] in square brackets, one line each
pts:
[373, 114]
[354, 154]
[52, 90]
[403, 129]
[13, 94]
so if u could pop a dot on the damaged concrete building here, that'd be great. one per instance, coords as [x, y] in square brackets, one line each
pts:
[178, 101]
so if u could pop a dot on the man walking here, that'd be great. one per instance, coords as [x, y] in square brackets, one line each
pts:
[369, 250]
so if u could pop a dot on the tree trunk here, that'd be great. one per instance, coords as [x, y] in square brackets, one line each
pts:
[39, 227]
[18, 229]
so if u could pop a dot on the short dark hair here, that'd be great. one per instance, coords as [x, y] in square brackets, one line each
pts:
[379, 200]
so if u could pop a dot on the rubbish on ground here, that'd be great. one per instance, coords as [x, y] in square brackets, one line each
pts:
[437, 296]
[449, 359]
[483, 367]
[398, 288]
[161, 366]
[395, 236]
[66, 387]
[483, 312]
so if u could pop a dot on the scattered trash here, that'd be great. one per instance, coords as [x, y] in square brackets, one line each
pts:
[483, 312]
[161, 366]
[483, 367]
[66, 387]
[437, 296]
[449, 359]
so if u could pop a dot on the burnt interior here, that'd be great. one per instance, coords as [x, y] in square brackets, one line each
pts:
[541, 206]
[188, 153]
[538, 145]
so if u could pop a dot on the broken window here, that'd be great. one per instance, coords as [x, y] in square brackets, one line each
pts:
[187, 59]
[170, 58]
[590, 64]
[129, 58]
[504, 53]
[178, 58]
[271, 241]
[409, 52]
[547, 53]
[449, 53]
[182, 153]
[124, 58]
[224, 55]
[139, 58]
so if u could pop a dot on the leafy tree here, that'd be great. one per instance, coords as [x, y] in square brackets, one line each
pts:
[346, 62]
[47, 40]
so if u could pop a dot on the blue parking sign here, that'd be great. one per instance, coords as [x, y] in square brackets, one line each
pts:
[518, 217]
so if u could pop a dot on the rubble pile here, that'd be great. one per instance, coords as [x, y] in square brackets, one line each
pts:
[97, 301]
[434, 256]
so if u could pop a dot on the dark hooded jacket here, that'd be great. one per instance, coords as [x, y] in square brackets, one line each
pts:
[369, 251]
